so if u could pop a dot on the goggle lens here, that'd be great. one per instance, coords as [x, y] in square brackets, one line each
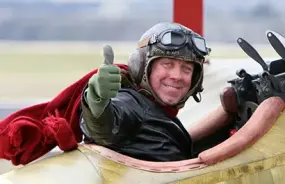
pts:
[172, 38]
[200, 44]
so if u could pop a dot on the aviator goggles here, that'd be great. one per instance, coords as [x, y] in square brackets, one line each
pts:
[170, 40]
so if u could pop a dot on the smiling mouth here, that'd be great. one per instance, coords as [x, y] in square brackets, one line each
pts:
[172, 87]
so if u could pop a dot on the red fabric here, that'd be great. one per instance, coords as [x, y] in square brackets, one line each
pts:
[170, 111]
[232, 132]
[33, 131]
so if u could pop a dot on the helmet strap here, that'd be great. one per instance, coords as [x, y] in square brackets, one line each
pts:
[196, 98]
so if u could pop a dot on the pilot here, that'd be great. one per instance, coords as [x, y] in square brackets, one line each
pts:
[134, 111]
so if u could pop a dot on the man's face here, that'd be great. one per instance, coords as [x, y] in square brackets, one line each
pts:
[171, 79]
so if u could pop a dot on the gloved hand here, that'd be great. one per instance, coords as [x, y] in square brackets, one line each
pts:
[103, 85]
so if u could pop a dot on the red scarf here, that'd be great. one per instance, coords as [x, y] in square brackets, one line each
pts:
[34, 131]
[170, 111]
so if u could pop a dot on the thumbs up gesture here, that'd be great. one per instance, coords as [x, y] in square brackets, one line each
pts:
[107, 81]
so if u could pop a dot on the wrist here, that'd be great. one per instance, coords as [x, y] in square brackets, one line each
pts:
[96, 104]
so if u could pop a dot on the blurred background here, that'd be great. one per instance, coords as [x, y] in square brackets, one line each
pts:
[45, 45]
[126, 20]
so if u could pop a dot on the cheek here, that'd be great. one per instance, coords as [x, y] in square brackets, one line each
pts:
[157, 76]
[154, 80]
[188, 80]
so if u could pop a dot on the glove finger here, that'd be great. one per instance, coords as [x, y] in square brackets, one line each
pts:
[114, 86]
[108, 55]
[112, 93]
[114, 78]
[114, 70]
[109, 69]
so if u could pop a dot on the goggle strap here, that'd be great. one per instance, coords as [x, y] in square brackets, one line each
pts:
[143, 43]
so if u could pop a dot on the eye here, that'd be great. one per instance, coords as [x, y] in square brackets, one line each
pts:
[187, 69]
[167, 64]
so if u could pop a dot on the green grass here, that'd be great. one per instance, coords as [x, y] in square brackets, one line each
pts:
[41, 70]
[43, 75]
[51, 62]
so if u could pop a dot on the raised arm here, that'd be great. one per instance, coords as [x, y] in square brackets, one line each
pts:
[103, 109]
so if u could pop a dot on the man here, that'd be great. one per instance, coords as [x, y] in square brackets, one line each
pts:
[135, 113]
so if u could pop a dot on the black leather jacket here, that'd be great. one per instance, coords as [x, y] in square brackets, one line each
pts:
[135, 126]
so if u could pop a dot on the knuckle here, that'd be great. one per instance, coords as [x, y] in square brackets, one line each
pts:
[119, 78]
[113, 94]
[93, 79]
[102, 73]
[103, 69]
[117, 69]
[119, 86]
[101, 79]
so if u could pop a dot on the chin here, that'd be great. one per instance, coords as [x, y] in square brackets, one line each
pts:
[170, 101]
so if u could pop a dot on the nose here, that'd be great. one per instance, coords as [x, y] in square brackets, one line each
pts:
[175, 73]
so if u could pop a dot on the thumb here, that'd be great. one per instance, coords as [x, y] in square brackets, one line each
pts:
[108, 55]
